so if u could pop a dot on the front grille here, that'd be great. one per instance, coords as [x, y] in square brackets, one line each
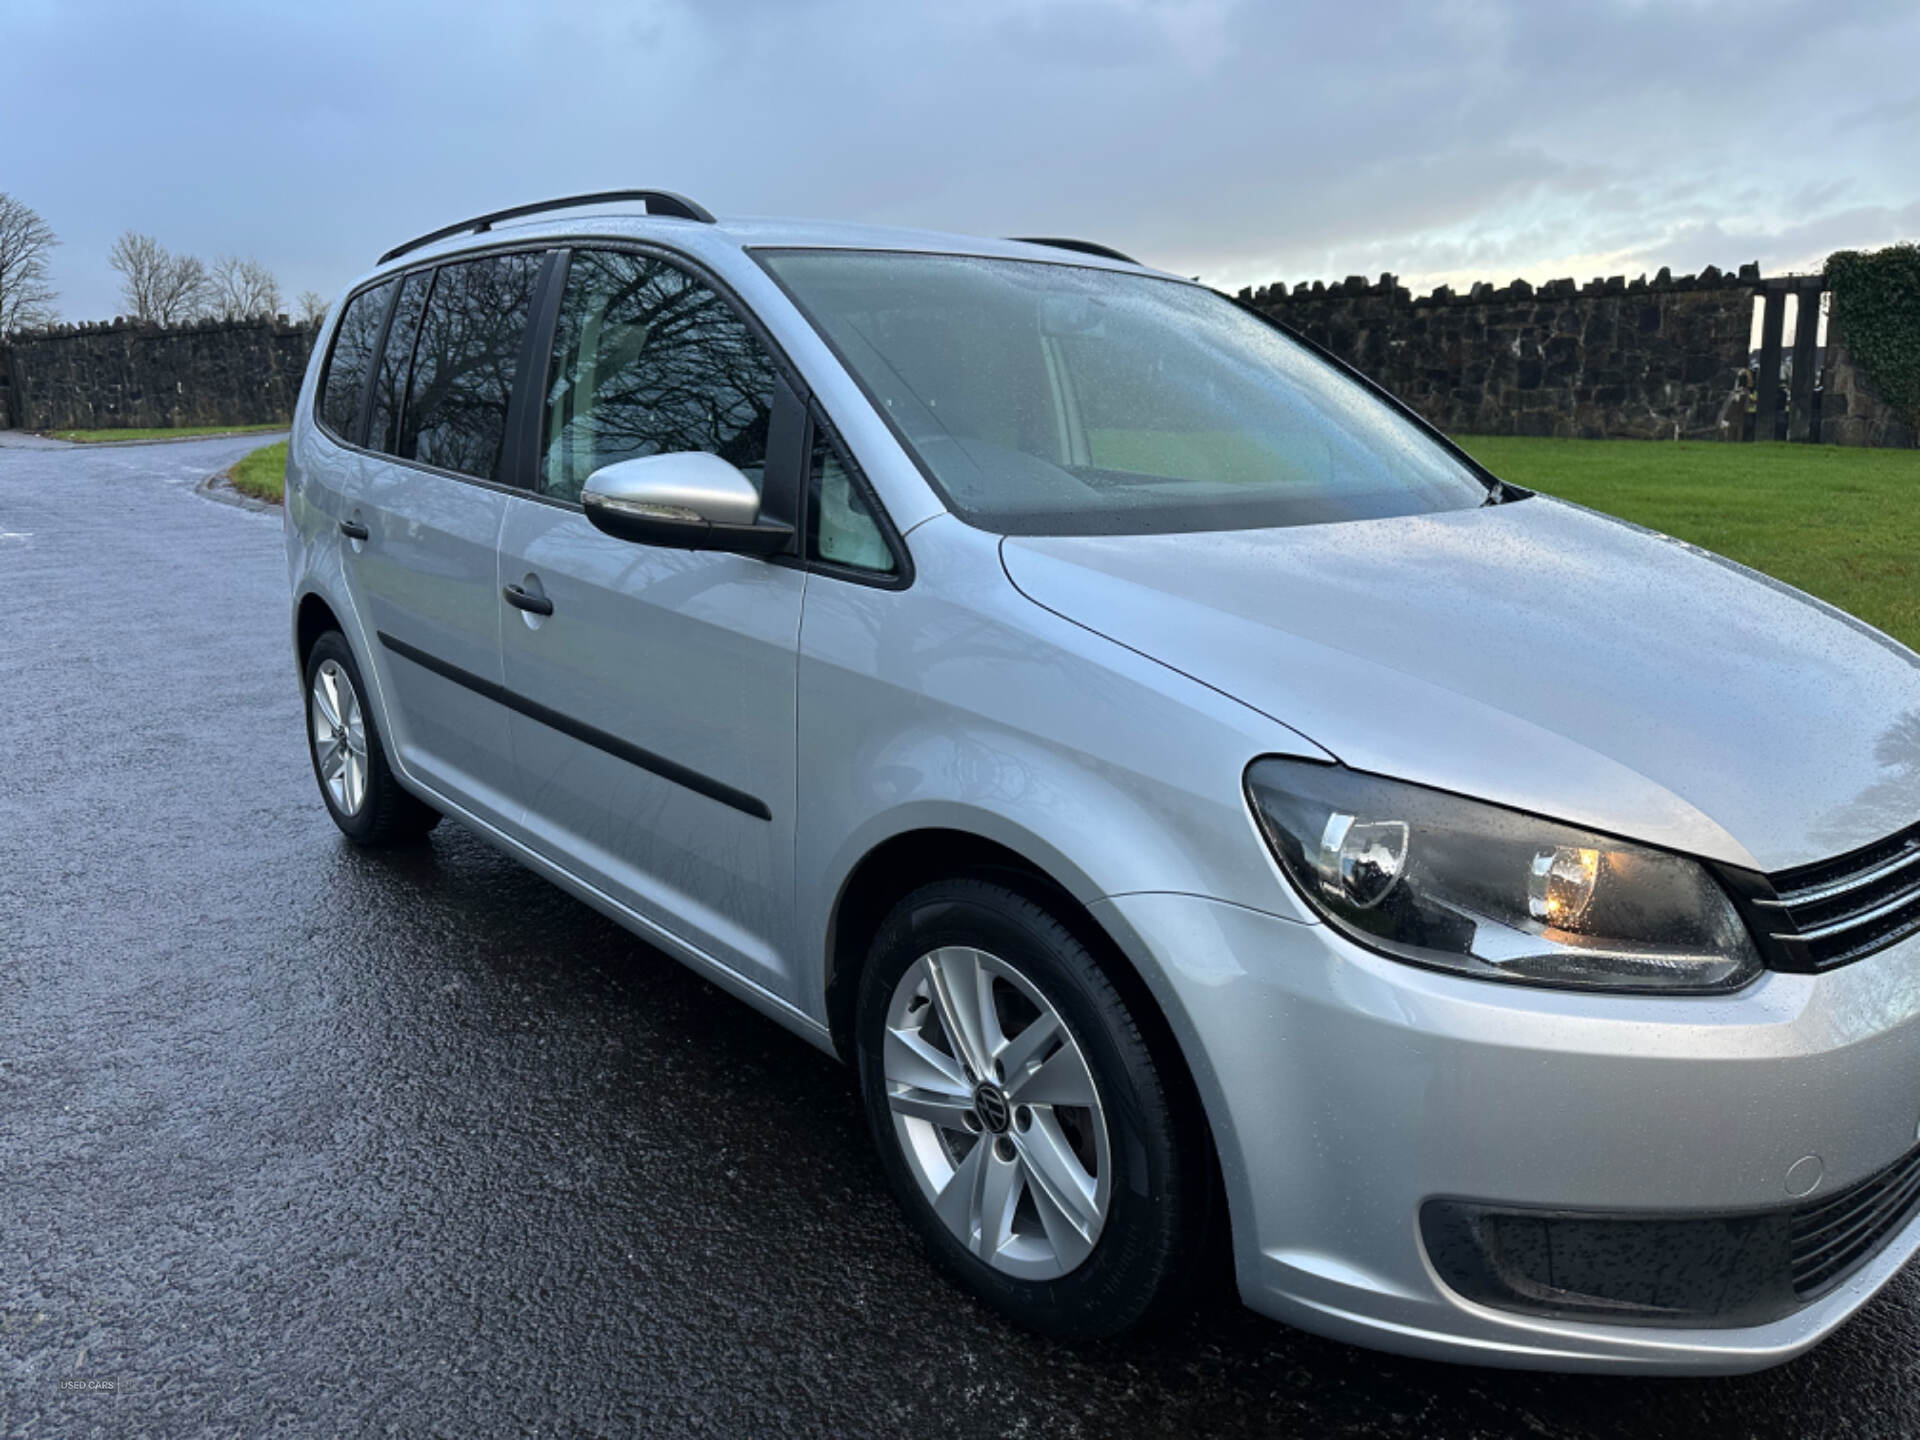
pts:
[1840, 910]
[1828, 1241]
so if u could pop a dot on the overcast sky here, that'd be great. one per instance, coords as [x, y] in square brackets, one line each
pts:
[1450, 140]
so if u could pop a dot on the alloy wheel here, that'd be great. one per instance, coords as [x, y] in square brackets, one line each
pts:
[997, 1113]
[339, 737]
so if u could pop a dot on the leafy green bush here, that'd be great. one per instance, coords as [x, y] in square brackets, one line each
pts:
[1876, 295]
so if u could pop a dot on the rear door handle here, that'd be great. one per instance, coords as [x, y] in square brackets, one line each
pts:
[353, 530]
[523, 599]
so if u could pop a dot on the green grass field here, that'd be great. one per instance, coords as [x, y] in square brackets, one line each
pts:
[185, 432]
[263, 474]
[1843, 524]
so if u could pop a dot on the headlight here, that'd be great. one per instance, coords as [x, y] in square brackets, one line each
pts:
[1438, 880]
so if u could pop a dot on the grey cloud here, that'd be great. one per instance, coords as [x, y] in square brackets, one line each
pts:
[1235, 139]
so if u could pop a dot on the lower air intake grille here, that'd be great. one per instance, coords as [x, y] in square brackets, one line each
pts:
[1829, 1240]
[1843, 909]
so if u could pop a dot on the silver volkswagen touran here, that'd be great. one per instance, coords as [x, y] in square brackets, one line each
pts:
[1197, 799]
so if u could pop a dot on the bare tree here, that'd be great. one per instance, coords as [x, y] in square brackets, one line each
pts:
[313, 308]
[26, 299]
[244, 289]
[158, 285]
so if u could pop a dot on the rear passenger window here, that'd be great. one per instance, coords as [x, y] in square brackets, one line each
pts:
[396, 358]
[464, 363]
[647, 360]
[350, 358]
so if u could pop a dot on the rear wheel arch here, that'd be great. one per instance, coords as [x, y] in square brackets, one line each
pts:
[312, 619]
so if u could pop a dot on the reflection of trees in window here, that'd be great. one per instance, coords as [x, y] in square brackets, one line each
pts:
[463, 366]
[352, 352]
[649, 361]
[390, 379]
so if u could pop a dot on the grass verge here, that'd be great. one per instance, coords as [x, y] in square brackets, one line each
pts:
[184, 432]
[263, 474]
[1843, 524]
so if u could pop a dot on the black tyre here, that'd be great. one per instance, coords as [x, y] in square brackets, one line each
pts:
[1020, 1115]
[349, 761]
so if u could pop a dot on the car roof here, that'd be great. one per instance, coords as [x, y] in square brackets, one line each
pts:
[630, 222]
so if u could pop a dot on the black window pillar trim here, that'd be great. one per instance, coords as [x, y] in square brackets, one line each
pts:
[783, 488]
[526, 406]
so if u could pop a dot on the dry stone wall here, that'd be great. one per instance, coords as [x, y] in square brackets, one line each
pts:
[1658, 359]
[224, 372]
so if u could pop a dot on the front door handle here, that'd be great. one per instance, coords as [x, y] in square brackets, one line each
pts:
[353, 530]
[524, 599]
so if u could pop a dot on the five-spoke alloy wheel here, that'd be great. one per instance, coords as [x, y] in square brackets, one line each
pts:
[1021, 1115]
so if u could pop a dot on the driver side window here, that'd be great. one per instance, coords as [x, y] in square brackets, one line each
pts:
[648, 360]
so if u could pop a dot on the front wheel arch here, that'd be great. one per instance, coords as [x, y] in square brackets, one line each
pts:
[905, 862]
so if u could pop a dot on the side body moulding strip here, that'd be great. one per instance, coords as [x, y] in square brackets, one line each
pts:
[613, 745]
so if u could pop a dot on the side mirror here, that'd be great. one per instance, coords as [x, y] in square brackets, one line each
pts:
[691, 501]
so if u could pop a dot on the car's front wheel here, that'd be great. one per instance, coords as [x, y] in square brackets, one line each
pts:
[349, 760]
[1021, 1118]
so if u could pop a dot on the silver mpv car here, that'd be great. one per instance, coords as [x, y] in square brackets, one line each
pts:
[1193, 794]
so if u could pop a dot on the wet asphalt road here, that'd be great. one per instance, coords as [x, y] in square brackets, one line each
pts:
[299, 1140]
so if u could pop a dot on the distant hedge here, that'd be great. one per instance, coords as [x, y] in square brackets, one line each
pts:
[1876, 294]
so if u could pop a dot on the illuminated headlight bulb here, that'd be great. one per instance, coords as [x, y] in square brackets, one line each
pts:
[1561, 884]
[1360, 861]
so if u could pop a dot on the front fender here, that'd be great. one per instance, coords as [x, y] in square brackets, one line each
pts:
[958, 704]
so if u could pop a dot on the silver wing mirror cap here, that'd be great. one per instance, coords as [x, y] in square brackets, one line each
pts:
[691, 501]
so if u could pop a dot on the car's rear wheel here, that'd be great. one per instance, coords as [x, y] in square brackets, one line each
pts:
[1021, 1118]
[349, 760]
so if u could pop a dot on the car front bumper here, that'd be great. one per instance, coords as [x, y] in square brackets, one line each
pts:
[1345, 1090]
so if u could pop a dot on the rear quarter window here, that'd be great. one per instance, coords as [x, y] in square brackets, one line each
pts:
[345, 381]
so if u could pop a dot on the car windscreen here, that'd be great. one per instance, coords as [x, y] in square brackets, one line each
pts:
[1056, 399]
